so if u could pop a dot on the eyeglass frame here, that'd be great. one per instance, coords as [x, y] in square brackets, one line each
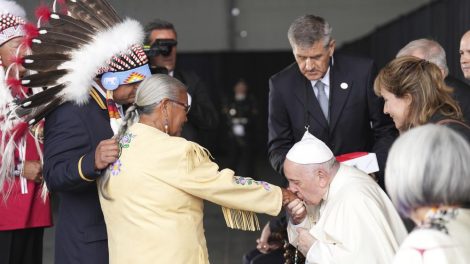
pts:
[185, 106]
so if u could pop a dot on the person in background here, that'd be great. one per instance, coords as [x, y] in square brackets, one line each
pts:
[152, 196]
[415, 94]
[330, 94]
[432, 51]
[24, 202]
[242, 112]
[352, 219]
[161, 38]
[427, 179]
[465, 54]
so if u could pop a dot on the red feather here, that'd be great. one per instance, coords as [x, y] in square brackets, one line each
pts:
[27, 41]
[16, 87]
[31, 30]
[43, 12]
[17, 60]
[20, 130]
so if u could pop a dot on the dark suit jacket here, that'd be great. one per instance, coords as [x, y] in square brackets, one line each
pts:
[202, 115]
[352, 111]
[71, 132]
[461, 94]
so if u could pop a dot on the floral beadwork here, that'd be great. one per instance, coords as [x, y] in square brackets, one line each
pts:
[126, 140]
[115, 168]
[249, 181]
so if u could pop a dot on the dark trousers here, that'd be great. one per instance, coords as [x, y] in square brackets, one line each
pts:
[256, 257]
[22, 246]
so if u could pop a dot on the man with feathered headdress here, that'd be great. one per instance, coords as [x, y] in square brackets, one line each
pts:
[23, 213]
[90, 62]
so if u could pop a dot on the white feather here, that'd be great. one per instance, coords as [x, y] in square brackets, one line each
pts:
[10, 7]
[86, 61]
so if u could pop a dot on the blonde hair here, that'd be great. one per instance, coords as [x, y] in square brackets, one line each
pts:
[424, 83]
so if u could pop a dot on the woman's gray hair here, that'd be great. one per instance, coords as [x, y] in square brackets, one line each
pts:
[148, 95]
[306, 30]
[427, 166]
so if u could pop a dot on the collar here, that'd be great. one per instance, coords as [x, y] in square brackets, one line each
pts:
[98, 90]
[335, 184]
[325, 80]
[95, 94]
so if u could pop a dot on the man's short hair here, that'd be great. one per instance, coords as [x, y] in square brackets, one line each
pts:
[306, 30]
[157, 24]
[431, 50]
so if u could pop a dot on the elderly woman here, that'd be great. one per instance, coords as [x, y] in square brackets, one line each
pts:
[152, 196]
[427, 178]
[415, 94]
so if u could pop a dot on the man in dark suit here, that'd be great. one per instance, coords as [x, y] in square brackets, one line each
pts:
[432, 51]
[331, 95]
[203, 115]
[78, 147]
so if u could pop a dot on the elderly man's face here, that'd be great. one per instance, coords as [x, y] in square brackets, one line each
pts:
[314, 61]
[306, 181]
[465, 54]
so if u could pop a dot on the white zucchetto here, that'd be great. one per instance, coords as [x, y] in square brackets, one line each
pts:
[309, 150]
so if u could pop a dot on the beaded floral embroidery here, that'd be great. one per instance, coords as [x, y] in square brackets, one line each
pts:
[249, 181]
[438, 218]
[115, 167]
[125, 142]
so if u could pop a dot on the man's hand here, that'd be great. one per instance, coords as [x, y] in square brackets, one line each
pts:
[287, 196]
[297, 211]
[304, 240]
[32, 170]
[106, 153]
[262, 242]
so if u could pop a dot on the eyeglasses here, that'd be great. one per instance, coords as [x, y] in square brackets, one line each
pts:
[185, 106]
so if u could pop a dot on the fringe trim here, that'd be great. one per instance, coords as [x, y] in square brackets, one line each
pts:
[239, 219]
[197, 155]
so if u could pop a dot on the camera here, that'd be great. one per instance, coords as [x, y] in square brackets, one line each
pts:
[160, 47]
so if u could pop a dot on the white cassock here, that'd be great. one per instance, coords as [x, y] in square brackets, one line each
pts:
[355, 223]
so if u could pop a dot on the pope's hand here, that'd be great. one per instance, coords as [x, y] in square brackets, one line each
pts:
[297, 211]
[304, 240]
[106, 153]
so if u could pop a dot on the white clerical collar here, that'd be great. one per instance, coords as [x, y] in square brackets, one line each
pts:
[333, 188]
[172, 73]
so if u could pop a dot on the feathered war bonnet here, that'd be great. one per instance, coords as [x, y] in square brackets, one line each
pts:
[13, 131]
[70, 49]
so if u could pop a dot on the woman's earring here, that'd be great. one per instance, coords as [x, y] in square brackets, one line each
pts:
[166, 125]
